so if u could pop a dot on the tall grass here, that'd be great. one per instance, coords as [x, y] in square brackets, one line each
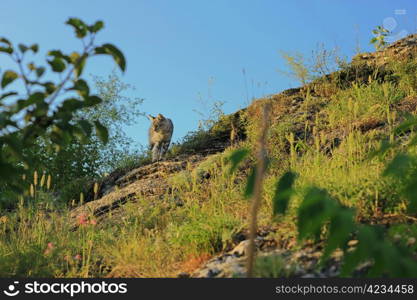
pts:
[142, 239]
[327, 139]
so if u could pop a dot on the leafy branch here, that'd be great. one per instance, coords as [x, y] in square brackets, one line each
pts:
[380, 33]
[47, 107]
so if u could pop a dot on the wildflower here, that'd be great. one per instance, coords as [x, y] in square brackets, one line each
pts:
[82, 219]
[77, 257]
[49, 248]
[3, 219]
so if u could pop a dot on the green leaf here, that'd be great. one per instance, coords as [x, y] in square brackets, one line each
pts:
[86, 127]
[14, 145]
[250, 184]
[56, 53]
[4, 96]
[79, 134]
[8, 77]
[49, 86]
[57, 65]
[236, 158]
[72, 105]
[59, 54]
[41, 109]
[79, 26]
[5, 41]
[102, 132]
[34, 48]
[35, 98]
[341, 227]
[40, 71]
[74, 56]
[8, 170]
[112, 50]
[410, 192]
[409, 124]
[92, 100]
[316, 209]
[8, 50]
[283, 193]
[81, 87]
[23, 48]
[399, 166]
[5, 121]
[96, 27]
[31, 66]
[80, 64]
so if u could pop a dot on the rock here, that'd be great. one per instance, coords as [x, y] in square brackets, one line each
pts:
[213, 272]
[240, 250]
[183, 275]
[150, 181]
[310, 275]
[333, 271]
[404, 48]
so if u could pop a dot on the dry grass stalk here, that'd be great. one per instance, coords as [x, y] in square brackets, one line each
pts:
[32, 190]
[48, 182]
[257, 192]
[95, 189]
[42, 180]
[35, 178]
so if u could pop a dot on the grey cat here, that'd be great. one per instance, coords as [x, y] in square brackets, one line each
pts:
[160, 134]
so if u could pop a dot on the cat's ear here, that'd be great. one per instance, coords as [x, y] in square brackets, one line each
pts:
[160, 116]
[151, 118]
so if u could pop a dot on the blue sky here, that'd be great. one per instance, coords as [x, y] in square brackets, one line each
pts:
[184, 50]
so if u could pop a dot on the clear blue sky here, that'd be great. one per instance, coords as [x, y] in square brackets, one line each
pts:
[174, 48]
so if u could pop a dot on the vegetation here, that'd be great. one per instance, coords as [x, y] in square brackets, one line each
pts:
[332, 162]
[379, 39]
[47, 108]
[81, 162]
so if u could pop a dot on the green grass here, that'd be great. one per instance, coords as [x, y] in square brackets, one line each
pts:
[206, 207]
[143, 239]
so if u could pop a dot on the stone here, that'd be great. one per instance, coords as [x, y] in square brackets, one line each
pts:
[241, 249]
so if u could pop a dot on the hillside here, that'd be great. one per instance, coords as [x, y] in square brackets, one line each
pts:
[186, 216]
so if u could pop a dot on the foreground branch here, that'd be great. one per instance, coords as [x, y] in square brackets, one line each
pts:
[257, 191]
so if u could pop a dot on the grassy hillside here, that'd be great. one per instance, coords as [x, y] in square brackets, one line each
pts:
[167, 218]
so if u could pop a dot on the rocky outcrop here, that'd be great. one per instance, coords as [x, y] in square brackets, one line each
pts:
[303, 262]
[405, 48]
[289, 263]
[150, 181]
